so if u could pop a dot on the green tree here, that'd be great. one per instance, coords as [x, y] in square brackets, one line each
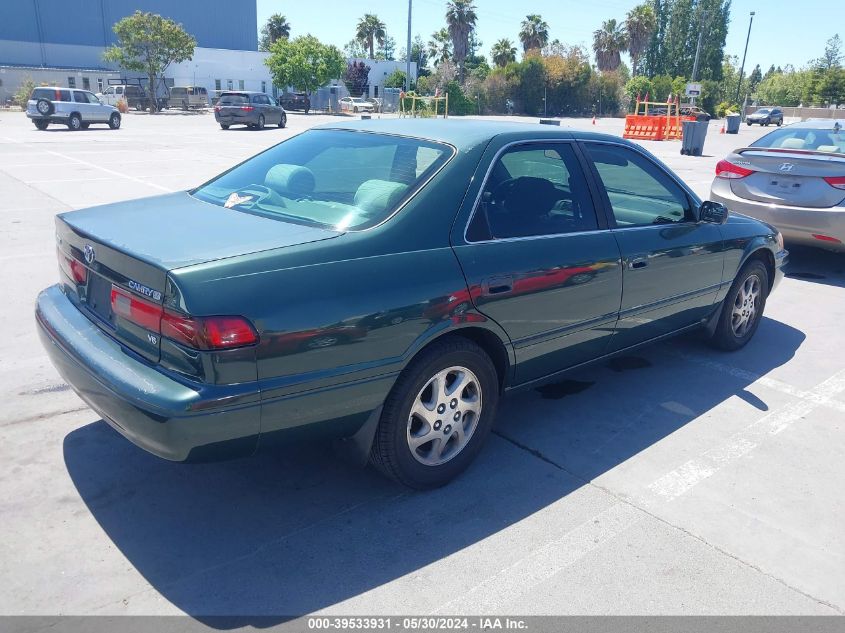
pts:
[304, 63]
[608, 43]
[148, 43]
[23, 92]
[832, 57]
[354, 48]
[533, 33]
[640, 24]
[369, 31]
[276, 27]
[755, 78]
[532, 82]
[638, 86]
[830, 88]
[387, 49]
[396, 79]
[461, 19]
[503, 52]
[783, 89]
[440, 46]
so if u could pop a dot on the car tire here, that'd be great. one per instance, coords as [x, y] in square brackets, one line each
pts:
[430, 385]
[224, 126]
[283, 120]
[85, 126]
[41, 125]
[74, 122]
[748, 123]
[742, 308]
[780, 122]
[45, 107]
[355, 109]
[260, 124]
[114, 121]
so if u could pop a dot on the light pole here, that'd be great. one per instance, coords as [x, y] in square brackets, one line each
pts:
[408, 52]
[742, 67]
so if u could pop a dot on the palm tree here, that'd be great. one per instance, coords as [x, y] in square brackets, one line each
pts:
[277, 27]
[440, 46]
[608, 42]
[370, 30]
[460, 18]
[534, 33]
[640, 23]
[503, 52]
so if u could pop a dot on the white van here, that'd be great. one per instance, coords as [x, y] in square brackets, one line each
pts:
[188, 97]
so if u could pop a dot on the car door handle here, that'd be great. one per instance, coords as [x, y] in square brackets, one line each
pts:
[637, 262]
[497, 286]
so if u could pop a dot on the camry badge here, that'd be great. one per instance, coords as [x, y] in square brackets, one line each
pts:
[90, 256]
[786, 166]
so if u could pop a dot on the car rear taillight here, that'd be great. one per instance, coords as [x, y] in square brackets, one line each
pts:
[826, 238]
[726, 169]
[247, 108]
[208, 333]
[142, 313]
[837, 182]
[73, 268]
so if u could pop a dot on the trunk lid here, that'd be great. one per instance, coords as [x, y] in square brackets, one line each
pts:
[789, 177]
[130, 247]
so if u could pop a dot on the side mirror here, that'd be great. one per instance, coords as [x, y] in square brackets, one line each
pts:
[712, 212]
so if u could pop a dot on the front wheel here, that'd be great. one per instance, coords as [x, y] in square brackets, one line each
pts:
[780, 122]
[437, 415]
[283, 120]
[742, 308]
[114, 121]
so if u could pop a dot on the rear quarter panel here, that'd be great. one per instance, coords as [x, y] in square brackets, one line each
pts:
[339, 319]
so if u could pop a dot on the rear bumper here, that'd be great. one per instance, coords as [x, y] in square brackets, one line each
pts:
[171, 418]
[56, 117]
[798, 225]
[236, 120]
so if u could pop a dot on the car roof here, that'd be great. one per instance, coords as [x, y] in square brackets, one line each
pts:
[819, 124]
[467, 133]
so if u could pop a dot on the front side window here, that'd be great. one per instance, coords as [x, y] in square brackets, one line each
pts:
[334, 178]
[640, 192]
[532, 190]
[79, 97]
[92, 98]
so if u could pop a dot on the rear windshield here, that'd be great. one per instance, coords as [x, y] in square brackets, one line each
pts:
[817, 139]
[233, 99]
[339, 179]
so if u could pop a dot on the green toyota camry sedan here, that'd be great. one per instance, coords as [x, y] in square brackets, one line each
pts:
[384, 284]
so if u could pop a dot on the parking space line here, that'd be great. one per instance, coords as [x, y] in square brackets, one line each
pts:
[108, 171]
[765, 381]
[545, 562]
[685, 477]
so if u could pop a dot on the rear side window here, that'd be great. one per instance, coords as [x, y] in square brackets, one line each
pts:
[533, 190]
[640, 193]
[79, 97]
[43, 93]
[233, 99]
[334, 178]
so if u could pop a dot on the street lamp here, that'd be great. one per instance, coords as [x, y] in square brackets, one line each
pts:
[742, 67]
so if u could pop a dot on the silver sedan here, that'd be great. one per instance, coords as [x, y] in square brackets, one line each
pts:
[792, 178]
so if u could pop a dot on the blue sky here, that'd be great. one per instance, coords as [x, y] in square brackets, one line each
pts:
[777, 36]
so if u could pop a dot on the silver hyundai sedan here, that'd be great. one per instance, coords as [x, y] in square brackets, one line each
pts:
[793, 178]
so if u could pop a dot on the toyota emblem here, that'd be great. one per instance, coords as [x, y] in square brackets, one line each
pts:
[786, 166]
[88, 251]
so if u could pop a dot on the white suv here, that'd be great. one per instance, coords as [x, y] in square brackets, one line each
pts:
[75, 108]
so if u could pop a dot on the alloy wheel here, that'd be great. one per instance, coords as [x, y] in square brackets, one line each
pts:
[444, 416]
[746, 306]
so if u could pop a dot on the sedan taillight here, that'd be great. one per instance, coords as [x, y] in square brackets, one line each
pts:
[208, 333]
[73, 268]
[837, 182]
[247, 108]
[726, 169]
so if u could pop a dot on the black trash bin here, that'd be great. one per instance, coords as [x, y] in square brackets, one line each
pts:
[692, 139]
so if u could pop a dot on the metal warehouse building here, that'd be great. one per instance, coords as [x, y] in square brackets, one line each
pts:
[73, 33]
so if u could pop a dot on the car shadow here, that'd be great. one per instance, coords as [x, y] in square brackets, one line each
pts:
[816, 265]
[286, 533]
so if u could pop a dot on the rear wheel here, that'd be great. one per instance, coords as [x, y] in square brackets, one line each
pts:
[114, 121]
[74, 122]
[437, 415]
[224, 126]
[743, 307]
[41, 125]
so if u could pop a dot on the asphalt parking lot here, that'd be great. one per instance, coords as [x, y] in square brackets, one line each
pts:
[679, 480]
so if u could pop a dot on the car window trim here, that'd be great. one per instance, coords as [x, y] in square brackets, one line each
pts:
[692, 199]
[602, 225]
